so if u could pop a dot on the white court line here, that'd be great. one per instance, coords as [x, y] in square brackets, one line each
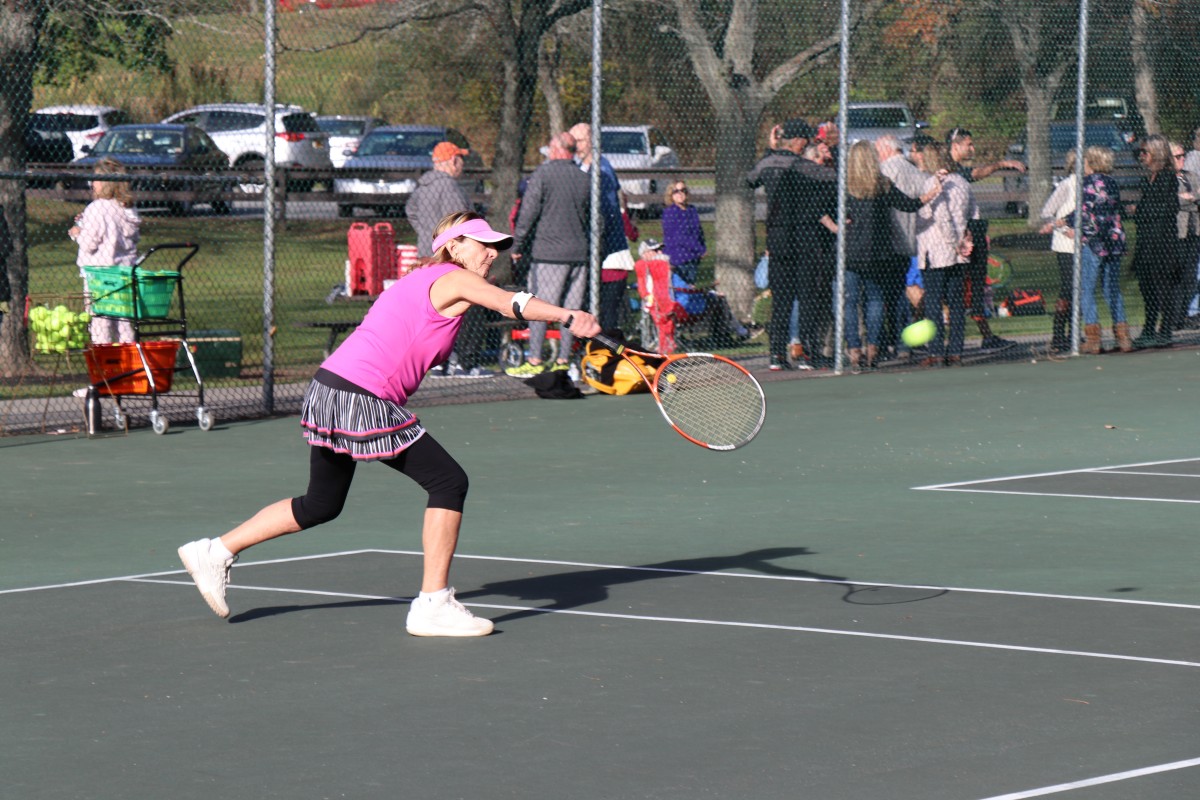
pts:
[1056, 494]
[1131, 472]
[1050, 474]
[1113, 778]
[1116, 469]
[664, 570]
[727, 624]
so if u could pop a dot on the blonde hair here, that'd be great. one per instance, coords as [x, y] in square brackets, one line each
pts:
[1098, 158]
[1159, 150]
[863, 178]
[442, 256]
[936, 157]
[112, 190]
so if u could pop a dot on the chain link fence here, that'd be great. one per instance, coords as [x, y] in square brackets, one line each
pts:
[297, 209]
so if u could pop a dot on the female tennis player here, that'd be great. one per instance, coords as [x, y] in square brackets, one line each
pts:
[354, 411]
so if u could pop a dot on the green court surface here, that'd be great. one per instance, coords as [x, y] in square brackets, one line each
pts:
[962, 584]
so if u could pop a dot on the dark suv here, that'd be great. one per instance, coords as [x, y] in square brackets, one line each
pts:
[1114, 134]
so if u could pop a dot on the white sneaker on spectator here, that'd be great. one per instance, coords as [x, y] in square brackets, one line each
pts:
[444, 616]
[210, 572]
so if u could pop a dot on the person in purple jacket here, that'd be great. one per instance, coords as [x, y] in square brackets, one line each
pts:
[683, 238]
[355, 411]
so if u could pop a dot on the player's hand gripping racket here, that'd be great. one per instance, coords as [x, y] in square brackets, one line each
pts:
[709, 400]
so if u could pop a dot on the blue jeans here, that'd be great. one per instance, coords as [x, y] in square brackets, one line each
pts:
[945, 286]
[1107, 272]
[871, 293]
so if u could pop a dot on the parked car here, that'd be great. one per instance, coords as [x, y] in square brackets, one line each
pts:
[398, 147]
[82, 124]
[345, 133]
[47, 147]
[239, 130]
[182, 148]
[638, 147]
[870, 120]
[1113, 134]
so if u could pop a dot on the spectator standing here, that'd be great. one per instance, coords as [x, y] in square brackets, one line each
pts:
[616, 260]
[1057, 212]
[683, 237]
[6, 249]
[107, 233]
[797, 190]
[437, 195]
[962, 153]
[552, 231]
[1191, 280]
[870, 197]
[910, 180]
[944, 247]
[1103, 246]
[1188, 230]
[1155, 254]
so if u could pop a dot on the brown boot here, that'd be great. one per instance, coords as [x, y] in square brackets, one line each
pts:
[1091, 340]
[796, 352]
[1121, 332]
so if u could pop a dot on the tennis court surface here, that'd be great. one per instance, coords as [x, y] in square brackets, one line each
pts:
[912, 586]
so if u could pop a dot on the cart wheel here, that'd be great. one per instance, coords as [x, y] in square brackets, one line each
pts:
[512, 355]
[204, 419]
[159, 423]
[120, 420]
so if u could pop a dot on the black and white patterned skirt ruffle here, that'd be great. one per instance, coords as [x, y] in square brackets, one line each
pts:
[362, 426]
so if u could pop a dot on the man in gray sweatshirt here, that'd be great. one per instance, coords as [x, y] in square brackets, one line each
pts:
[438, 194]
[552, 231]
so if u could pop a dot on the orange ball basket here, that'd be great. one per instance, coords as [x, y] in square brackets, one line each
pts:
[117, 369]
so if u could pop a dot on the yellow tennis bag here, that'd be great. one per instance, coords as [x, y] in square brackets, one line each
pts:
[607, 372]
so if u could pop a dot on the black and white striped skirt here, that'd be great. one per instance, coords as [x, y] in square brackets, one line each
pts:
[362, 426]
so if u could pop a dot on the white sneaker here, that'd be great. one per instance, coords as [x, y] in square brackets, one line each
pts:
[446, 617]
[209, 571]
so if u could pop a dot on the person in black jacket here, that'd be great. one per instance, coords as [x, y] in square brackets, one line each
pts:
[799, 192]
[6, 248]
[1156, 260]
[870, 199]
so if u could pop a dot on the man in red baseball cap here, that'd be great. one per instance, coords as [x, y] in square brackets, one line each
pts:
[439, 194]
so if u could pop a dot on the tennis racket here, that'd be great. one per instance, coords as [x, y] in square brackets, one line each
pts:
[709, 400]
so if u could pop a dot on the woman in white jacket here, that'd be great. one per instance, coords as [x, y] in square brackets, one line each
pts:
[1057, 212]
[107, 234]
[943, 249]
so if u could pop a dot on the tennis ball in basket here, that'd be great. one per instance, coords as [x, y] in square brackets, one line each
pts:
[919, 333]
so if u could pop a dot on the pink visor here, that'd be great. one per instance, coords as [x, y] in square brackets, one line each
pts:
[477, 229]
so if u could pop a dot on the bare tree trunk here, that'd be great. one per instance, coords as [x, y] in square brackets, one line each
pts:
[1041, 78]
[1143, 73]
[20, 25]
[549, 57]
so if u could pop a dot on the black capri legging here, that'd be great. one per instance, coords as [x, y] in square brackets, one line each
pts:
[330, 475]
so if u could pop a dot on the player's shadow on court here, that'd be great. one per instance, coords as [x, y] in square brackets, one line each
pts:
[566, 590]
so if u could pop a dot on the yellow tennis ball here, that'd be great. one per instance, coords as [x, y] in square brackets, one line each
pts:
[671, 377]
[919, 333]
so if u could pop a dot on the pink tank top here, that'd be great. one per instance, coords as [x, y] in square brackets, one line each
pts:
[399, 340]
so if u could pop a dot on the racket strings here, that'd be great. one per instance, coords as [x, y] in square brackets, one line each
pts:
[711, 401]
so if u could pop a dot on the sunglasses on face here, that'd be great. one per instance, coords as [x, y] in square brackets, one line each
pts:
[679, 190]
